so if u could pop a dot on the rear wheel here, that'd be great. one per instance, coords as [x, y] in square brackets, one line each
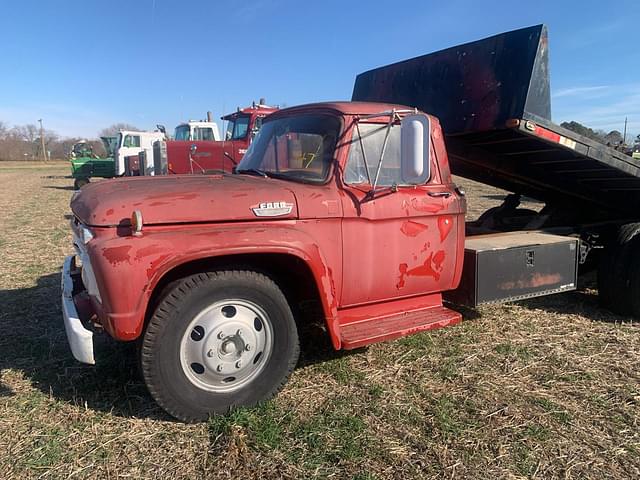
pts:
[618, 276]
[216, 341]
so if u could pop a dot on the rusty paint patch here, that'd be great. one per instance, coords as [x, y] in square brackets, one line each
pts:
[110, 211]
[413, 229]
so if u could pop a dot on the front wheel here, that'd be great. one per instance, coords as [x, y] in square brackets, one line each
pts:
[218, 340]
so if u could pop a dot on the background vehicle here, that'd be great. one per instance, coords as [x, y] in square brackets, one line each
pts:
[85, 164]
[195, 155]
[130, 144]
[351, 206]
[195, 130]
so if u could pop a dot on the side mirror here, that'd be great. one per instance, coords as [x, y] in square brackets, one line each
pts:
[193, 148]
[415, 149]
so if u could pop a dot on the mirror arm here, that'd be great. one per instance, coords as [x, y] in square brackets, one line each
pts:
[364, 155]
[392, 119]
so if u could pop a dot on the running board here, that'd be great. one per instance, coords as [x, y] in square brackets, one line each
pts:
[388, 327]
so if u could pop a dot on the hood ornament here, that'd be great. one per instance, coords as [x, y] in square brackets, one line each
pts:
[272, 209]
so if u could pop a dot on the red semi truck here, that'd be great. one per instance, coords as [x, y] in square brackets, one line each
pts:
[350, 206]
[189, 156]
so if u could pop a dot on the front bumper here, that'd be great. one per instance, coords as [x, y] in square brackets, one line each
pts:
[80, 338]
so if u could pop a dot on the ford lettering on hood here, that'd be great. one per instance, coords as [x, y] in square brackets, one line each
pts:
[184, 199]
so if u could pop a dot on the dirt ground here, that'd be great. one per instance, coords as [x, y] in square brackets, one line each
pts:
[544, 388]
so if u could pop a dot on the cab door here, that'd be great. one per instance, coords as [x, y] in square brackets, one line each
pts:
[401, 241]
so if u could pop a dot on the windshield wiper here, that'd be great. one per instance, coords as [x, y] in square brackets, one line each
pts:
[253, 171]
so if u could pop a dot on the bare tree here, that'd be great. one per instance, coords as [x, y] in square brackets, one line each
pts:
[112, 130]
[614, 137]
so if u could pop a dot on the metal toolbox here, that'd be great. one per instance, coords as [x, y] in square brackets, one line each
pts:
[512, 266]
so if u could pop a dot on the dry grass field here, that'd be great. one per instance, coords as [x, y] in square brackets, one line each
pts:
[544, 388]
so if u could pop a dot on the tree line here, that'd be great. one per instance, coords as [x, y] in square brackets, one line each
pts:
[22, 142]
[612, 139]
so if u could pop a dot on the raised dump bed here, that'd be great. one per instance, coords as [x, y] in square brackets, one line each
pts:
[492, 97]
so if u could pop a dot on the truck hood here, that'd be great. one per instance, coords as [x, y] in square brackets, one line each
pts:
[184, 199]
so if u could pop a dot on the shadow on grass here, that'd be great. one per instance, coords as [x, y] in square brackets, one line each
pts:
[34, 342]
[69, 188]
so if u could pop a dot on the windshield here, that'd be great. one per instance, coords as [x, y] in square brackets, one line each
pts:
[82, 150]
[298, 148]
[237, 128]
[182, 132]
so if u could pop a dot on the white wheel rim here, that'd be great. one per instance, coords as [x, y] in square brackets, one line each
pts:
[226, 345]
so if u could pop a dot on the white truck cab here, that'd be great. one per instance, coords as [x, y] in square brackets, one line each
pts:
[197, 130]
[131, 142]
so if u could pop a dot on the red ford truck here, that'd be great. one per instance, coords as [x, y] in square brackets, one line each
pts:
[350, 206]
[200, 155]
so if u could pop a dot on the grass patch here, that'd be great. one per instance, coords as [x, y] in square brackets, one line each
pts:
[544, 388]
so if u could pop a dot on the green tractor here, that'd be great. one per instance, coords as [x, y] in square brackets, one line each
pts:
[85, 164]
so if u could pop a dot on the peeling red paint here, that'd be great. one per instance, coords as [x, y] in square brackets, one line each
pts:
[110, 211]
[153, 266]
[146, 251]
[426, 205]
[432, 267]
[445, 224]
[413, 229]
[116, 255]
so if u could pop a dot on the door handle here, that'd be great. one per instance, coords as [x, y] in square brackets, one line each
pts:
[440, 194]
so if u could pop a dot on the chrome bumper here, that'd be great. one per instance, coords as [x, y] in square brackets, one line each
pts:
[80, 339]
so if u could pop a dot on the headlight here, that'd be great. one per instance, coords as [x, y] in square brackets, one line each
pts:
[85, 234]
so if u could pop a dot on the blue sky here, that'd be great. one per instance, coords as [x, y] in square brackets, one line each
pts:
[82, 66]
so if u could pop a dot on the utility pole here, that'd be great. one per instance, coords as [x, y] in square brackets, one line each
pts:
[624, 137]
[44, 150]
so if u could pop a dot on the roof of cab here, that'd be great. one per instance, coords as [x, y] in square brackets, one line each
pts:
[345, 108]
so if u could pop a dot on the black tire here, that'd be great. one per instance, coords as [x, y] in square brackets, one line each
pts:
[617, 270]
[78, 183]
[160, 356]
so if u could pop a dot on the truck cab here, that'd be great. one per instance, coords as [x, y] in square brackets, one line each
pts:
[193, 154]
[130, 143]
[242, 126]
[194, 130]
[347, 205]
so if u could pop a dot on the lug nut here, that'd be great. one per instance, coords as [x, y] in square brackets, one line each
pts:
[219, 368]
[247, 347]
[221, 335]
[210, 353]
[238, 364]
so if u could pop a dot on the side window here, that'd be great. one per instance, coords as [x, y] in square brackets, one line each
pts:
[131, 141]
[365, 151]
[240, 129]
[202, 133]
